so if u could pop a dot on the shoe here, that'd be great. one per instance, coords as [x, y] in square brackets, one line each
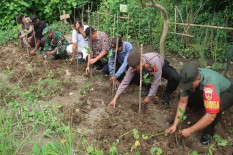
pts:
[99, 69]
[165, 99]
[205, 139]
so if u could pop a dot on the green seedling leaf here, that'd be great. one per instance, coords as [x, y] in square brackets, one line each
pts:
[194, 153]
[184, 118]
[179, 118]
[119, 106]
[83, 140]
[137, 153]
[90, 149]
[145, 137]
[223, 143]
[153, 149]
[181, 112]
[113, 149]
[136, 136]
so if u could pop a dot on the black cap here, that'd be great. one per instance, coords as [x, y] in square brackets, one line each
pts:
[19, 18]
[33, 18]
[133, 59]
[87, 32]
[114, 42]
[188, 74]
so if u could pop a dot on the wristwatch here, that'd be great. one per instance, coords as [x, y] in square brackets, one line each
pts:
[150, 97]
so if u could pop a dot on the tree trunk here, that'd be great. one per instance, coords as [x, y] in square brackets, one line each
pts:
[165, 26]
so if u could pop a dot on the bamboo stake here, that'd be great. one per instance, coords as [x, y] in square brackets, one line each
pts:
[88, 15]
[98, 22]
[82, 13]
[74, 14]
[113, 83]
[216, 45]
[175, 25]
[206, 33]
[94, 19]
[114, 26]
[128, 28]
[149, 30]
[61, 20]
[107, 19]
[140, 87]
[139, 23]
[117, 22]
[211, 36]
[91, 52]
[226, 24]
[77, 56]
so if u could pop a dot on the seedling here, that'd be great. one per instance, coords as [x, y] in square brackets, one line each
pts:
[154, 149]
[182, 118]
[194, 153]
[113, 149]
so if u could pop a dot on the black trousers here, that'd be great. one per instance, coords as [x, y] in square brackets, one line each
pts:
[169, 73]
[226, 101]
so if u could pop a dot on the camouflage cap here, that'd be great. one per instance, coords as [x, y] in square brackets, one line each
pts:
[46, 31]
[133, 59]
[188, 74]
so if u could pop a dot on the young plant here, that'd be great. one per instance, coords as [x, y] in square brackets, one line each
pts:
[154, 149]
[182, 118]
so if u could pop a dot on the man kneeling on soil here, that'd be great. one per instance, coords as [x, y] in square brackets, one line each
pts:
[154, 64]
[212, 89]
[55, 45]
[124, 49]
[100, 46]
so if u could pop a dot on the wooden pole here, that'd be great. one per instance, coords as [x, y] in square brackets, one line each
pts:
[94, 19]
[113, 83]
[139, 24]
[216, 46]
[91, 52]
[149, 30]
[212, 35]
[61, 21]
[98, 21]
[74, 14]
[206, 33]
[140, 87]
[88, 15]
[114, 26]
[128, 28]
[107, 20]
[82, 13]
[117, 23]
[175, 25]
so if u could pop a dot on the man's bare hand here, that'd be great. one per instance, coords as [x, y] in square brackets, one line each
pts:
[185, 133]
[70, 60]
[32, 51]
[92, 61]
[113, 103]
[87, 70]
[113, 78]
[146, 100]
[45, 62]
[171, 129]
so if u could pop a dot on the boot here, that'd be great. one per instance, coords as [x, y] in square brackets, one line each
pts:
[165, 99]
[205, 139]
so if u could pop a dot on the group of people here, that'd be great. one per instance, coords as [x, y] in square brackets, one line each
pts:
[211, 87]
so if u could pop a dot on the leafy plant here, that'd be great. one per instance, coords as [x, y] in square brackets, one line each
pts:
[182, 117]
[154, 149]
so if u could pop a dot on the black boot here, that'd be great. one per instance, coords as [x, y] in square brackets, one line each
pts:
[205, 139]
[165, 99]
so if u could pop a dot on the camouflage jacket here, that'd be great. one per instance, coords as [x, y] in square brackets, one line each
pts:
[58, 44]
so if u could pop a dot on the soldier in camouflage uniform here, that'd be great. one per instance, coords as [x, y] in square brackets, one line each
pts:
[55, 45]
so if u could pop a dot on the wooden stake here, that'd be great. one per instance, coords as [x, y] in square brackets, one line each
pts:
[82, 13]
[114, 26]
[139, 24]
[216, 45]
[107, 20]
[212, 34]
[206, 33]
[175, 25]
[117, 23]
[128, 28]
[93, 19]
[77, 56]
[61, 21]
[98, 22]
[91, 52]
[74, 14]
[113, 84]
[140, 87]
[88, 15]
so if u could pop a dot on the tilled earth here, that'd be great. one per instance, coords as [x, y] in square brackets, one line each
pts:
[102, 125]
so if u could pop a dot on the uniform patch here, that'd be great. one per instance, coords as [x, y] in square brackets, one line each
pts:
[208, 93]
[181, 90]
[211, 99]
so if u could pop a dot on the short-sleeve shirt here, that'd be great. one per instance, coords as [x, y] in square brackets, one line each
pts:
[39, 29]
[212, 84]
[78, 38]
[101, 44]
[26, 28]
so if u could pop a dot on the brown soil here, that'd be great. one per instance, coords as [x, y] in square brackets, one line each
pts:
[101, 124]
